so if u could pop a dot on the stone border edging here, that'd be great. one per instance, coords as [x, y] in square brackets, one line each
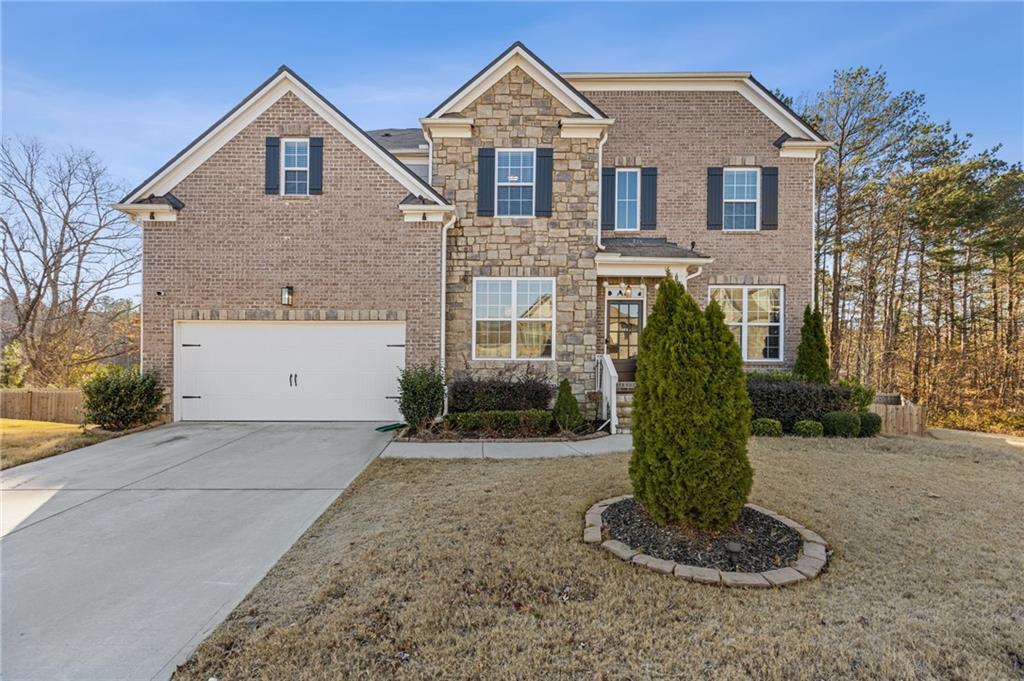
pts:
[812, 560]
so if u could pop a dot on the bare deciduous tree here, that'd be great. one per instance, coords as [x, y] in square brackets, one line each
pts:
[66, 252]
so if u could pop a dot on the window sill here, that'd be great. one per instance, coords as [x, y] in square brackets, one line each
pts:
[296, 197]
[511, 359]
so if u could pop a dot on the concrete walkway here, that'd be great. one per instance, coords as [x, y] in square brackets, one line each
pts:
[120, 558]
[508, 450]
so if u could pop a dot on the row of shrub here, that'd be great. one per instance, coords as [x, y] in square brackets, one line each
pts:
[787, 398]
[516, 406]
[832, 424]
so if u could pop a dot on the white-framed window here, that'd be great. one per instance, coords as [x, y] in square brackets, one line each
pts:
[627, 199]
[513, 318]
[295, 167]
[514, 182]
[742, 199]
[754, 315]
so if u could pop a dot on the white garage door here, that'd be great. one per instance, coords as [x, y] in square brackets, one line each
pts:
[288, 371]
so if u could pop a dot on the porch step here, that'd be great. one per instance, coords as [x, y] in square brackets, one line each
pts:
[624, 408]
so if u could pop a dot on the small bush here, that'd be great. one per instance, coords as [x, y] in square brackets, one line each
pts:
[812, 354]
[567, 409]
[860, 395]
[870, 424]
[421, 395]
[120, 398]
[766, 427]
[503, 393]
[521, 423]
[792, 401]
[775, 375]
[808, 428]
[841, 424]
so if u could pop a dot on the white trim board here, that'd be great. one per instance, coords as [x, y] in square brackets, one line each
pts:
[517, 55]
[283, 82]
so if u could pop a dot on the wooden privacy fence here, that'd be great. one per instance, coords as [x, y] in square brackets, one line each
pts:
[900, 416]
[59, 406]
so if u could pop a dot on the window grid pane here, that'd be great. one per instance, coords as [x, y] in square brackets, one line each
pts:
[296, 154]
[515, 173]
[740, 196]
[754, 315]
[295, 181]
[626, 197]
[532, 318]
[494, 339]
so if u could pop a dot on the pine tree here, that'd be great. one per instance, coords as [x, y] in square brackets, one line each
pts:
[691, 416]
[812, 355]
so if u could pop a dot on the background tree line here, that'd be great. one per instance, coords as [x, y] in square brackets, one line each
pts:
[919, 255]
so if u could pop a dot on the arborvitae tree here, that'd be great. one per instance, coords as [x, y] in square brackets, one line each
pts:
[567, 409]
[727, 476]
[671, 417]
[812, 355]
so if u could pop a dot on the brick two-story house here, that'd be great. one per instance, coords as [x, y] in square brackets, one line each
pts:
[293, 261]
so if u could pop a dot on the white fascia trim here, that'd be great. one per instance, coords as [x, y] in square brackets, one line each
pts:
[733, 81]
[171, 176]
[148, 212]
[447, 127]
[584, 128]
[615, 265]
[538, 72]
[417, 213]
[803, 148]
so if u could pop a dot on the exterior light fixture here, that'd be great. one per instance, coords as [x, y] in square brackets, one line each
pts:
[287, 292]
[629, 290]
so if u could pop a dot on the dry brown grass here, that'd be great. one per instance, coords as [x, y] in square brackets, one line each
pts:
[476, 570]
[23, 441]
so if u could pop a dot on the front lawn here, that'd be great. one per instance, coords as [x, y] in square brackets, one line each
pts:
[23, 441]
[475, 569]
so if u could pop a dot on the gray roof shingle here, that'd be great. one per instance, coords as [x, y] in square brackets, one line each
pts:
[647, 247]
[394, 139]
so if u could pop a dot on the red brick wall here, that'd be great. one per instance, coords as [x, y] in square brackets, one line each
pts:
[682, 134]
[347, 252]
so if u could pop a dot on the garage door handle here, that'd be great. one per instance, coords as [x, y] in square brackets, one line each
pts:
[296, 380]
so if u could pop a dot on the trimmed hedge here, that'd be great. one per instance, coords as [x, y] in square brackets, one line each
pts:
[512, 393]
[841, 424]
[789, 401]
[118, 398]
[420, 395]
[808, 428]
[520, 423]
[870, 424]
[766, 427]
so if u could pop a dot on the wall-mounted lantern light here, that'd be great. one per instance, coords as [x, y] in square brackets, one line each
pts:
[286, 295]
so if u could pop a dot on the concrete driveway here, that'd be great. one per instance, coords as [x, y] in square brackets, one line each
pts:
[119, 558]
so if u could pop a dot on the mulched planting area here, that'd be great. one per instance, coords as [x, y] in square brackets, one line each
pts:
[765, 542]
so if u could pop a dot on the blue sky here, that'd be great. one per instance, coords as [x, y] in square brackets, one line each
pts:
[136, 82]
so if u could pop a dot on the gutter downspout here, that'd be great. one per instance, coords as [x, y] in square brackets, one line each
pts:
[600, 182]
[444, 300]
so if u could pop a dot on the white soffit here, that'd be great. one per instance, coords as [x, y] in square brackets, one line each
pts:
[168, 177]
[732, 81]
[515, 56]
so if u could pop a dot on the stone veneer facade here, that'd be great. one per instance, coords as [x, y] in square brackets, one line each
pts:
[518, 113]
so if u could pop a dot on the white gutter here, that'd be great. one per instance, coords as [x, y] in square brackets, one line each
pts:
[600, 183]
[444, 299]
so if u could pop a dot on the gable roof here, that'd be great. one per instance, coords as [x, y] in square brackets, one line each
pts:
[519, 55]
[245, 112]
[742, 82]
[399, 139]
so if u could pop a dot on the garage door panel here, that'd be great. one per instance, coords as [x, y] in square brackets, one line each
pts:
[244, 370]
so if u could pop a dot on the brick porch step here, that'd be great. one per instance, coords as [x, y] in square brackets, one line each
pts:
[624, 408]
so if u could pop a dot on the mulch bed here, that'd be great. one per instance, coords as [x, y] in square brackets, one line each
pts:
[766, 543]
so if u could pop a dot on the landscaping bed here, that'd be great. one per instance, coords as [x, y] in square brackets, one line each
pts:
[765, 543]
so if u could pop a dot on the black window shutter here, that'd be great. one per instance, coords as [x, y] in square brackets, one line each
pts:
[272, 167]
[545, 168]
[715, 198]
[485, 181]
[607, 198]
[769, 198]
[648, 198]
[316, 165]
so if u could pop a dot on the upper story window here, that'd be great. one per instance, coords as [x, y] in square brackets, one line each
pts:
[513, 318]
[295, 162]
[627, 199]
[515, 182]
[754, 315]
[741, 196]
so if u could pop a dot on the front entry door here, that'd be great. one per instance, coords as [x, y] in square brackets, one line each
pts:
[625, 320]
